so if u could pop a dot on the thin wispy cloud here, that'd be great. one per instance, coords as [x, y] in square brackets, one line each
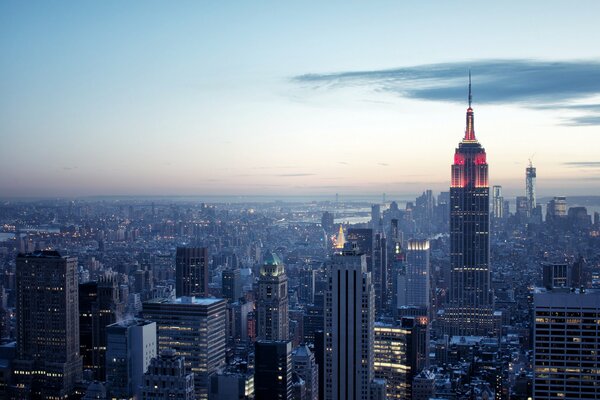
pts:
[295, 175]
[532, 83]
[583, 164]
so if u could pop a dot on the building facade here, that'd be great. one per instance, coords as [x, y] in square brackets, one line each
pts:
[272, 303]
[131, 345]
[566, 342]
[48, 362]
[167, 378]
[470, 307]
[195, 329]
[191, 271]
[349, 320]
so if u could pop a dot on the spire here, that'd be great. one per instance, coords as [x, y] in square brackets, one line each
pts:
[470, 130]
[470, 97]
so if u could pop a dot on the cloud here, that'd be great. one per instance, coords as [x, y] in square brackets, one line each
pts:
[294, 175]
[532, 83]
[583, 164]
[69, 168]
[383, 164]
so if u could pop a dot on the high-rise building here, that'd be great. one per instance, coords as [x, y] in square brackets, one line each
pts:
[232, 284]
[304, 364]
[418, 274]
[497, 202]
[349, 320]
[530, 176]
[327, 222]
[191, 271]
[273, 370]
[470, 307]
[522, 208]
[306, 288]
[566, 362]
[131, 345]
[99, 306]
[400, 350]
[48, 362]
[376, 217]
[556, 208]
[423, 386]
[272, 302]
[195, 329]
[167, 378]
[380, 272]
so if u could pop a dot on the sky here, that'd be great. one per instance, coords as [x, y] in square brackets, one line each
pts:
[294, 98]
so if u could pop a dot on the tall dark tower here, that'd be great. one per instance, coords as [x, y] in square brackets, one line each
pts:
[469, 311]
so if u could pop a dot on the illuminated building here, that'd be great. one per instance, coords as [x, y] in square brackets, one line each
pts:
[191, 271]
[131, 345]
[195, 329]
[417, 274]
[168, 379]
[272, 302]
[469, 311]
[566, 341]
[273, 370]
[399, 352]
[530, 176]
[48, 363]
[349, 319]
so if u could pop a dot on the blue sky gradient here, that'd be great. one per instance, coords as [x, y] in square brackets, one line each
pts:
[193, 98]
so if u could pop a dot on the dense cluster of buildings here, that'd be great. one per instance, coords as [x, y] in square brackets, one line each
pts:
[455, 296]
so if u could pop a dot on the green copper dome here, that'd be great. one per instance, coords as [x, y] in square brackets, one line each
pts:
[272, 266]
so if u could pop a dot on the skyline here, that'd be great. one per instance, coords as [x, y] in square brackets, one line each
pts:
[269, 99]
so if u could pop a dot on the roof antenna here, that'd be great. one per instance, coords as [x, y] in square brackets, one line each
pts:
[470, 97]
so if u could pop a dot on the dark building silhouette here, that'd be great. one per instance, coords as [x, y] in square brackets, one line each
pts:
[47, 363]
[273, 370]
[99, 306]
[191, 271]
[471, 302]
[231, 284]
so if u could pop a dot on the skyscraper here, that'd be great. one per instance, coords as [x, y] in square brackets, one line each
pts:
[400, 350]
[48, 363]
[99, 306]
[469, 311]
[272, 302]
[530, 176]
[231, 284]
[566, 362]
[349, 320]
[191, 271]
[195, 329]
[417, 274]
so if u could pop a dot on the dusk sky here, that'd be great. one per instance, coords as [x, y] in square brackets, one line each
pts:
[294, 98]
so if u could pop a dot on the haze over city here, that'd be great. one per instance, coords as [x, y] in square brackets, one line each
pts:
[279, 99]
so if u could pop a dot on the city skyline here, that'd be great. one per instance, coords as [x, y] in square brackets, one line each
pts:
[313, 100]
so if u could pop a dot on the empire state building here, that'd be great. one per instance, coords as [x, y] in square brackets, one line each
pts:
[470, 307]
